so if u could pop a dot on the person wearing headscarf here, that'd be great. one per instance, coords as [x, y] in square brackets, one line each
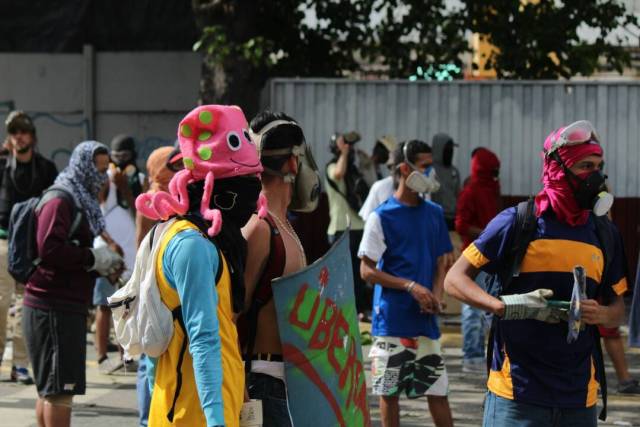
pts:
[58, 293]
[544, 370]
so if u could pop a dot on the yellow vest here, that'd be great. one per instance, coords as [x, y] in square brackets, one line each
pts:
[187, 410]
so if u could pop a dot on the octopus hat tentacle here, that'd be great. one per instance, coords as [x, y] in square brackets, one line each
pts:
[213, 215]
[262, 205]
[166, 205]
[145, 205]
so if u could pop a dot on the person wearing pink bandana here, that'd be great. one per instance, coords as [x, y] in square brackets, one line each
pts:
[539, 372]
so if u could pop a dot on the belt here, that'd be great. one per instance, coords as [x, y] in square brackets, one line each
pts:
[269, 357]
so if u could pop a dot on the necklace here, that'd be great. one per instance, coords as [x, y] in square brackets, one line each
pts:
[289, 230]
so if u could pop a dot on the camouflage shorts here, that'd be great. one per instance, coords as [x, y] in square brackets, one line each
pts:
[412, 365]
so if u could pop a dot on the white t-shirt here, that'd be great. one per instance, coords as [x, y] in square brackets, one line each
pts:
[372, 244]
[380, 191]
[121, 227]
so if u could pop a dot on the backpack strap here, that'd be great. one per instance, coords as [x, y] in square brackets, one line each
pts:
[606, 240]
[49, 194]
[263, 293]
[56, 191]
[523, 232]
[333, 185]
[177, 315]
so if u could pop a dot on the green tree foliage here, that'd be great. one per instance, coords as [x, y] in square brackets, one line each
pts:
[415, 34]
[246, 42]
[539, 40]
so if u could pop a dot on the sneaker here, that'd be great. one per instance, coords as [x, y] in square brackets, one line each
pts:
[476, 366]
[21, 375]
[108, 366]
[629, 387]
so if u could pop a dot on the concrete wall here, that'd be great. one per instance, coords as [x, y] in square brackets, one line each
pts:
[73, 97]
[510, 118]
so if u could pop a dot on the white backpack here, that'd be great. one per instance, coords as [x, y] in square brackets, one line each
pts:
[142, 322]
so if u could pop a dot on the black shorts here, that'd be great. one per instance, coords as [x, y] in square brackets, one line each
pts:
[57, 346]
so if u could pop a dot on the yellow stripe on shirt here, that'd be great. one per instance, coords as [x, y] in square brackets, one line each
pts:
[558, 256]
[621, 287]
[500, 382]
[474, 256]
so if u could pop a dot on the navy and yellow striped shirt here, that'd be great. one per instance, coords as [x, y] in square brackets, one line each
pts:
[532, 362]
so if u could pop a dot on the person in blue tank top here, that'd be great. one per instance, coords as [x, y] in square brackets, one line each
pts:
[403, 251]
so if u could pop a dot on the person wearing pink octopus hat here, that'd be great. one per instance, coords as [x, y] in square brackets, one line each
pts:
[543, 370]
[199, 379]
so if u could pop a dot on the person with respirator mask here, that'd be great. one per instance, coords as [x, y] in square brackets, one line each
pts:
[290, 181]
[403, 251]
[537, 375]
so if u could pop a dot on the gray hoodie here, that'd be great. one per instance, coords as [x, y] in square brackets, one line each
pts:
[447, 174]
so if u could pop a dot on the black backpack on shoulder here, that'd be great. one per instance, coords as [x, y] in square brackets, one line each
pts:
[22, 251]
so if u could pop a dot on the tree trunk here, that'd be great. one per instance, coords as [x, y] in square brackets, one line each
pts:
[235, 81]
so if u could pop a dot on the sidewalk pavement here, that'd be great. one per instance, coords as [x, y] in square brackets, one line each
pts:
[111, 400]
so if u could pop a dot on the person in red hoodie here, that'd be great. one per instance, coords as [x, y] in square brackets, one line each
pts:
[478, 203]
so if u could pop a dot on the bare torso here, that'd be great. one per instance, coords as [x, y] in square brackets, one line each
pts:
[267, 336]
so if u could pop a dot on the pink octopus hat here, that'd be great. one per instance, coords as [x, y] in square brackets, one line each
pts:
[215, 138]
[215, 144]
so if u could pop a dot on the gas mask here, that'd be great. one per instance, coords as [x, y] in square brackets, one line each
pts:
[306, 183]
[591, 193]
[423, 182]
[420, 182]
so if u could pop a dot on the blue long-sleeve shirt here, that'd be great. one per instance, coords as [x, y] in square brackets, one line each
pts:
[190, 264]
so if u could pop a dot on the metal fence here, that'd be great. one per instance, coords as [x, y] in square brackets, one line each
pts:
[510, 118]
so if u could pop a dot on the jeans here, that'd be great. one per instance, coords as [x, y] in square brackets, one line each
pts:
[473, 328]
[499, 412]
[144, 396]
[273, 393]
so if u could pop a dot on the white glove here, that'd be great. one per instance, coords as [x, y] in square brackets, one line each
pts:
[532, 305]
[106, 261]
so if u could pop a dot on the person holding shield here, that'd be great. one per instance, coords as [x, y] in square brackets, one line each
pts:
[290, 181]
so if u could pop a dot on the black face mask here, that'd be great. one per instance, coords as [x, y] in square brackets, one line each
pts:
[381, 153]
[447, 154]
[236, 198]
[588, 188]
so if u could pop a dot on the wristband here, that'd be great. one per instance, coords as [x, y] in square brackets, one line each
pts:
[409, 286]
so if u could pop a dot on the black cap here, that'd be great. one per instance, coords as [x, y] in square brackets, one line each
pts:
[122, 143]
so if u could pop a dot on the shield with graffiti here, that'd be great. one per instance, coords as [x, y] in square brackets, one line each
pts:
[320, 337]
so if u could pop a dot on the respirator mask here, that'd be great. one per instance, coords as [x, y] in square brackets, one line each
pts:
[420, 182]
[591, 190]
[306, 183]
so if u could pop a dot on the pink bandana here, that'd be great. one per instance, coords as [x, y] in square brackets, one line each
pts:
[556, 193]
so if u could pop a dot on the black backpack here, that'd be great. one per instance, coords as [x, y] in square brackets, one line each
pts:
[357, 187]
[498, 284]
[22, 251]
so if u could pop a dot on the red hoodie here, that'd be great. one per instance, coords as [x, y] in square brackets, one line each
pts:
[479, 201]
